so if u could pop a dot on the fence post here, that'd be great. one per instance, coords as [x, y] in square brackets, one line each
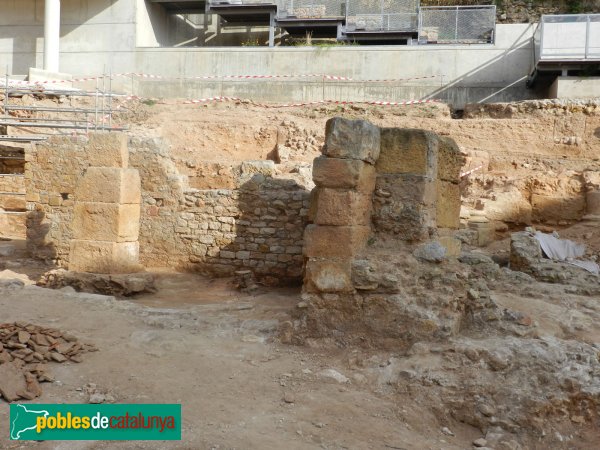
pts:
[456, 27]
[587, 36]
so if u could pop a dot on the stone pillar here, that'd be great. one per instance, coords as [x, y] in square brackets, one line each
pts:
[51, 35]
[106, 218]
[450, 161]
[406, 188]
[341, 204]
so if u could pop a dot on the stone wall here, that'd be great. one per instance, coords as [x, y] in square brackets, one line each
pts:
[380, 193]
[257, 225]
[417, 184]
[341, 204]
[402, 181]
[51, 173]
[12, 206]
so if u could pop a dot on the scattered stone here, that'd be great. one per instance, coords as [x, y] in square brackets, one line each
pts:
[58, 357]
[124, 285]
[472, 294]
[24, 337]
[288, 397]
[486, 410]
[431, 252]
[245, 282]
[447, 431]
[12, 381]
[481, 442]
[332, 373]
[97, 398]
[24, 348]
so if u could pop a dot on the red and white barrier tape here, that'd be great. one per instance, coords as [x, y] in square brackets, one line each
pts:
[318, 102]
[469, 172]
[125, 101]
[213, 77]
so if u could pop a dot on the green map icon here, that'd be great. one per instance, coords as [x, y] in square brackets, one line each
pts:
[24, 420]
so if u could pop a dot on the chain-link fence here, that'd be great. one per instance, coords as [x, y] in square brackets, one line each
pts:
[457, 24]
[311, 9]
[382, 15]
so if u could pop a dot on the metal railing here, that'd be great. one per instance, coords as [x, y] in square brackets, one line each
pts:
[240, 2]
[382, 15]
[311, 9]
[457, 24]
[568, 37]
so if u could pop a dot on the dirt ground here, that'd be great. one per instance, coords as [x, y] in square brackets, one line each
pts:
[200, 343]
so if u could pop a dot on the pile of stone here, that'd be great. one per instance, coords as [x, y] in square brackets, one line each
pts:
[24, 351]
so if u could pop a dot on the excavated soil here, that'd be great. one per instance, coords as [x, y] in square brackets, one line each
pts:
[520, 369]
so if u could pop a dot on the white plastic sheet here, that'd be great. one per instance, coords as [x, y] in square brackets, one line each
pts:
[565, 250]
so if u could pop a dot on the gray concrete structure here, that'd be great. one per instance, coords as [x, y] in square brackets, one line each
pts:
[575, 87]
[133, 36]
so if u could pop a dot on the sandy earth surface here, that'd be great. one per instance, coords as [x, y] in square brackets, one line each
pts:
[212, 352]
[201, 343]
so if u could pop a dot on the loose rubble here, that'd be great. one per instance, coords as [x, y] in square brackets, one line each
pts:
[26, 350]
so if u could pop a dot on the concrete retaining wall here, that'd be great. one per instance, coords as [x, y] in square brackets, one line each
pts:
[575, 87]
[122, 36]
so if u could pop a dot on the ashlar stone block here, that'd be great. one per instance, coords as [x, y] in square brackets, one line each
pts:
[408, 151]
[108, 150]
[333, 241]
[104, 257]
[351, 139]
[344, 174]
[342, 207]
[106, 222]
[109, 185]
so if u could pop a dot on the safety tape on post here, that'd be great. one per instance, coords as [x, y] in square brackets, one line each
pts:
[16, 83]
[318, 102]
[255, 77]
[469, 172]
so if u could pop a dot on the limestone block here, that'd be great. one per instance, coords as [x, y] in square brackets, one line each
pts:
[312, 209]
[334, 242]
[108, 150]
[327, 275]
[351, 139]
[342, 207]
[409, 188]
[109, 185]
[106, 222]
[344, 174]
[104, 257]
[448, 205]
[411, 151]
[404, 206]
[450, 160]
[452, 246]
[486, 232]
[13, 203]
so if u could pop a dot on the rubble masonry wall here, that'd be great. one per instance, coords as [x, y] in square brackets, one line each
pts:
[258, 226]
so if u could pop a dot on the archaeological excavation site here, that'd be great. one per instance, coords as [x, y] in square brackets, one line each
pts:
[331, 276]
